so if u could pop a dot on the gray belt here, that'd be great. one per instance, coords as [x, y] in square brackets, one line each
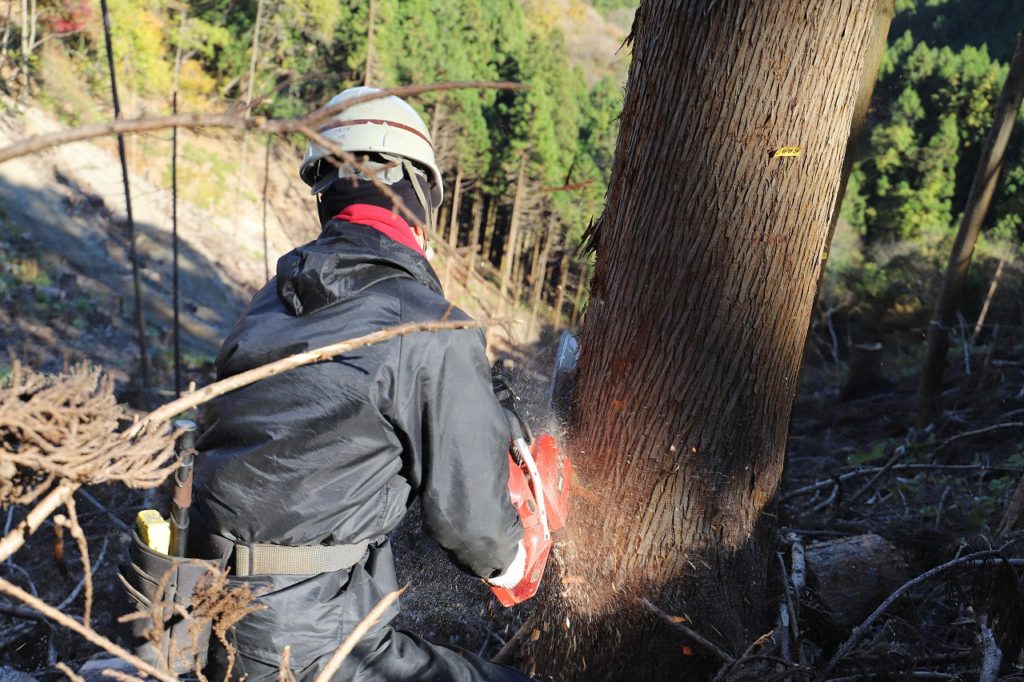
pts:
[260, 559]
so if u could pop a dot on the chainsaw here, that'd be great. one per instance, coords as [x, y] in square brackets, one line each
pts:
[539, 479]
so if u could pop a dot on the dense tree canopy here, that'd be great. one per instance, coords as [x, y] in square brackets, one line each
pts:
[932, 109]
[942, 72]
[299, 53]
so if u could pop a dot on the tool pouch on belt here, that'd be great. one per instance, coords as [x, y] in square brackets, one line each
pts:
[150, 578]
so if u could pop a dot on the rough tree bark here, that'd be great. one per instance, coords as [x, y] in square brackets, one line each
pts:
[708, 255]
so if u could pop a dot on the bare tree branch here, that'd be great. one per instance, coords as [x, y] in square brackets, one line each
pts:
[229, 119]
[860, 630]
[162, 414]
[88, 633]
[14, 540]
[71, 674]
[350, 642]
[688, 632]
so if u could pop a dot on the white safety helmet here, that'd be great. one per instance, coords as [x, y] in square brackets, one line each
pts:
[387, 125]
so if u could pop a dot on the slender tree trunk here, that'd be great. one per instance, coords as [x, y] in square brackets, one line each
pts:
[369, 43]
[708, 255]
[478, 214]
[489, 225]
[435, 119]
[6, 35]
[519, 263]
[442, 218]
[988, 301]
[176, 275]
[531, 245]
[563, 273]
[253, 60]
[28, 30]
[140, 318]
[539, 273]
[509, 254]
[453, 225]
[990, 166]
[582, 285]
[265, 199]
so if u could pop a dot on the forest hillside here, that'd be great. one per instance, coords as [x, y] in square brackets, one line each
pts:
[874, 497]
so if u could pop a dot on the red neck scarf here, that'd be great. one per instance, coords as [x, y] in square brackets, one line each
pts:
[382, 220]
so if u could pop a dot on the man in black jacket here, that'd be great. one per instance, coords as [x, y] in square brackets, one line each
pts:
[306, 472]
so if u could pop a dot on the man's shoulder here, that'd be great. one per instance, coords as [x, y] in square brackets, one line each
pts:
[420, 304]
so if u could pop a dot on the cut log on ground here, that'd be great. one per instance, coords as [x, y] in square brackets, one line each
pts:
[853, 575]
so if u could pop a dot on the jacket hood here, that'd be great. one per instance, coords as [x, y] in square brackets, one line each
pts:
[345, 259]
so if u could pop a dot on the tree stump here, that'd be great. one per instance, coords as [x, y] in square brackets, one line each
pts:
[865, 376]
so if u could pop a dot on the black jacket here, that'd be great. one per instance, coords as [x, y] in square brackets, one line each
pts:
[335, 452]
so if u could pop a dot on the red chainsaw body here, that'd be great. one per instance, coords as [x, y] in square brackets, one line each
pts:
[555, 471]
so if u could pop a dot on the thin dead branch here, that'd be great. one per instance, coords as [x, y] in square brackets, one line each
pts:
[897, 455]
[788, 608]
[69, 673]
[688, 632]
[284, 670]
[977, 432]
[120, 675]
[360, 631]
[859, 632]
[71, 523]
[867, 471]
[513, 642]
[229, 119]
[14, 540]
[191, 400]
[86, 632]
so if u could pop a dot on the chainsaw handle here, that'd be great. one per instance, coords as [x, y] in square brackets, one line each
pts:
[526, 457]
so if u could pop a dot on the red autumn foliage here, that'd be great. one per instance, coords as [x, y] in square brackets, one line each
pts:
[68, 16]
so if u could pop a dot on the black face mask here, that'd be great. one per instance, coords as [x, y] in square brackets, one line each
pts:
[343, 193]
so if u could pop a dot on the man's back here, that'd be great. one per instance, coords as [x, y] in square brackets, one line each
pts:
[331, 453]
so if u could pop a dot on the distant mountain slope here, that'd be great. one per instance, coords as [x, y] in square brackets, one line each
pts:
[592, 38]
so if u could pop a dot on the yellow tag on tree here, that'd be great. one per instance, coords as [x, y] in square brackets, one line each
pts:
[786, 151]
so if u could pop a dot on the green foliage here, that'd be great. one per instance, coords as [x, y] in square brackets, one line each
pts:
[308, 50]
[141, 46]
[959, 23]
[875, 453]
[932, 109]
[609, 5]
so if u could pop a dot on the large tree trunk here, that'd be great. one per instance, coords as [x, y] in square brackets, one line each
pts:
[708, 255]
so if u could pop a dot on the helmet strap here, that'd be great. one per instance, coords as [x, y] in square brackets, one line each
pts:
[428, 213]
